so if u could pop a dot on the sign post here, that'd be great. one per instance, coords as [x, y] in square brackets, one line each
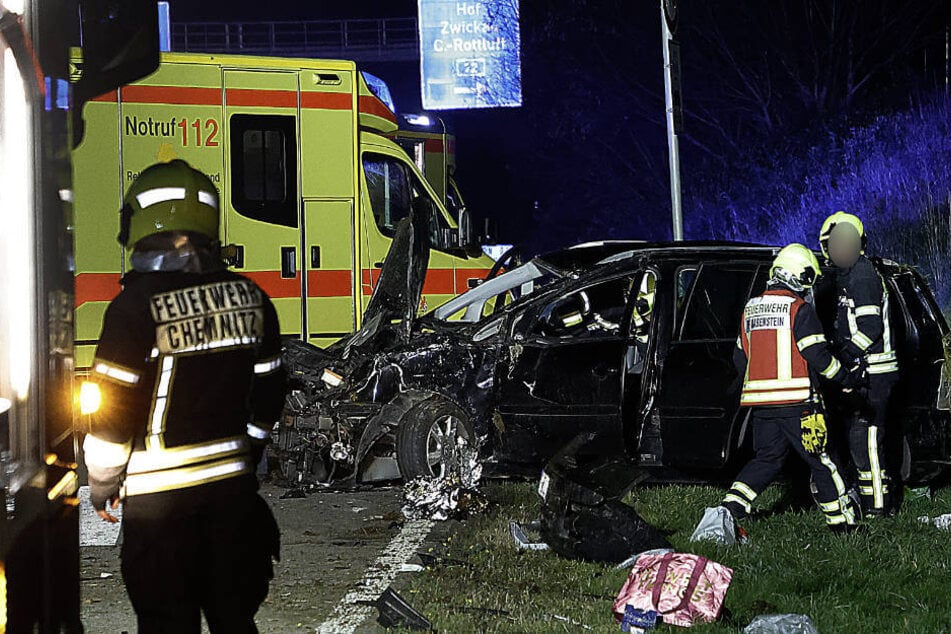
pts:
[675, 114]
[469, 54]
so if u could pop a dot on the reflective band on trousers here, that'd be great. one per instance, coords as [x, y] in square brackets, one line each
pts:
[104, 454]
[266, 367]
[185, 477]
[157, 458]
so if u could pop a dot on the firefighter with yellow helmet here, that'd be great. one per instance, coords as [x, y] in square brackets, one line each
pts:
[780, 353]
[189, 370]
[863, 336]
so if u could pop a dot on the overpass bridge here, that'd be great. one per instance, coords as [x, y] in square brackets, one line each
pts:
[368, 40]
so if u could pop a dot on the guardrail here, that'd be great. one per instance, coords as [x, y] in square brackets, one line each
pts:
[386, 39]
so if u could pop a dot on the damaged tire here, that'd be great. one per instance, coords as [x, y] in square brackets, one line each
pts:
[428, 434]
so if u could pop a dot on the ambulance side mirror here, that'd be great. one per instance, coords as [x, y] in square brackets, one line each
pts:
[120, 44]
[466, 236]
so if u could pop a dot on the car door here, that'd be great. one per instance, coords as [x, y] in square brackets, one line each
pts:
[697, 399]
[560, 373]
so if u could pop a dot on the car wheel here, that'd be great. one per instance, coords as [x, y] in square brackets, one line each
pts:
[427, 440]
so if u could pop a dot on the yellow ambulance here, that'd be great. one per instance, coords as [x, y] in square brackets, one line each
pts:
[311, 187]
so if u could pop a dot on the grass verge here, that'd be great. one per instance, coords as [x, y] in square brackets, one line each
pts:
[893, 578]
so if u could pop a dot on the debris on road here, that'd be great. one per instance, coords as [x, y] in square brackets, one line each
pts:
[521, 539]
[941, 522]
[583, 515]
[452, 495]
[396, 612]
[781, 624]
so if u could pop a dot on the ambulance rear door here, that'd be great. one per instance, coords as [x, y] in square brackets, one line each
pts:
[328, 139]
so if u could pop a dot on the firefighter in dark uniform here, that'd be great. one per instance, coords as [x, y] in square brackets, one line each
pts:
[863, 336]
[189, 370]
[780, 352]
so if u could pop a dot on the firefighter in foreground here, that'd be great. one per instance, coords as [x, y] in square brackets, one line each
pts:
[780, 352]
[863, 336]
[191, 382]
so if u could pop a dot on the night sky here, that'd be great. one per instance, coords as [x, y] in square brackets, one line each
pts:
[586, 155]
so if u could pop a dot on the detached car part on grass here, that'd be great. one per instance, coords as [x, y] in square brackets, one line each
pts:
[562, 344]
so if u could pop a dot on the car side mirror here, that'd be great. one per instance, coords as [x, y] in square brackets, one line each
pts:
[466, 235]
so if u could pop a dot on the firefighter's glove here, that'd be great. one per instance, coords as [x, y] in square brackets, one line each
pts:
[814, 434]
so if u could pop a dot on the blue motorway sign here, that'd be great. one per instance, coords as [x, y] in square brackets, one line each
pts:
[469, 52]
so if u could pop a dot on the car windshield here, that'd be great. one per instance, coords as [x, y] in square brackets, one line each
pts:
[505, 289]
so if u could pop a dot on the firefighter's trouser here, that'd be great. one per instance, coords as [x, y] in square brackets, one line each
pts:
[208, 554]
[867, 430]
[775, 432]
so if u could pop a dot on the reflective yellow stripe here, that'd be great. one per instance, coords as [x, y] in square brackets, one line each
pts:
[859, 339]
[882, 357]
[744, 490]
[117, 373]
[776, 384]
[831, 507]
[267, 367]
[868, 311]
[735, 498]
[105, 454]
[878, 493]
[811, 340]
[833, 369]
[884, 368]
[834, 472]
[833, 520]
[258, 433]
[165, 458]
[160, 403]
[792, 396]
[784, 354]
[185, 477]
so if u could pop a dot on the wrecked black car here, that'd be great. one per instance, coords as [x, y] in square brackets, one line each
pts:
[630, 341]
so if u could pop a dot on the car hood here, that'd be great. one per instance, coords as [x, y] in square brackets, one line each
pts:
[398, 290]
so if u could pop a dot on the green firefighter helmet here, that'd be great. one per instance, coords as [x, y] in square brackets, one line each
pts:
[830, 223]
[796, 266]
[169, 197]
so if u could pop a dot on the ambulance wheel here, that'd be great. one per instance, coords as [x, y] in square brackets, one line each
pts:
[428, 438]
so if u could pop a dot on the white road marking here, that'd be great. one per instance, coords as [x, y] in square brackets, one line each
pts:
[349, 613]
[92, 530]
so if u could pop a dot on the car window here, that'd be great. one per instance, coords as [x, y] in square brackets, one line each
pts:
[715, 302]
[595, 311]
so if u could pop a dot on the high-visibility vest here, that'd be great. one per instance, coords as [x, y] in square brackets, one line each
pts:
[776, 372]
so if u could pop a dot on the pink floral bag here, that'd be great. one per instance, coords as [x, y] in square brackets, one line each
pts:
[682, 589]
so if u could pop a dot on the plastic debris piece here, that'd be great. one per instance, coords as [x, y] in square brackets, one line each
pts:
[941, 522]
[521, 539]
[919, 493]
[781, 624]
[565, 619]
[411, 568]
[630, 561]
[105, 575]
[331, 378]
[718, 525]
[396, 612]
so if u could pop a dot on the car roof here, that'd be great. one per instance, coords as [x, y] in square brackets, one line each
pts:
[584, 256]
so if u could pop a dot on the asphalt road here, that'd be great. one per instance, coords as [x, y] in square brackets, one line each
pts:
[334, 545]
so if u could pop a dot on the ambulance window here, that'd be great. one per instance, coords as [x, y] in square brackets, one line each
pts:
[264, 168]
[390, 190]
